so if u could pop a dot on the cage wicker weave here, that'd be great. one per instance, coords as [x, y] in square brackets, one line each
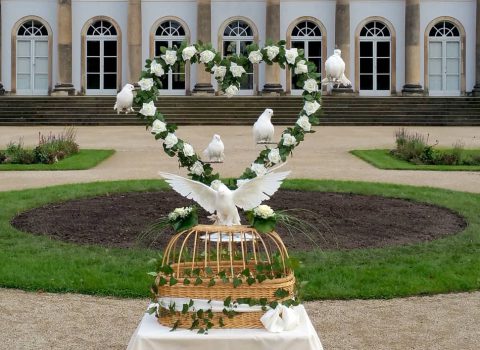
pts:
[211, 257]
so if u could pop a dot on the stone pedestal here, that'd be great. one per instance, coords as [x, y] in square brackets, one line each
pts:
[64, 85]
[272, 72]
[204, 34]
[343, 91]
[412, 49]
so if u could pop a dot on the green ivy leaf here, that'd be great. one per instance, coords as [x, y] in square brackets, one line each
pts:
[198, 281]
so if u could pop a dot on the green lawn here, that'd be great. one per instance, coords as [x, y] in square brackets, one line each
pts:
[84, 159]
[382, 159]
[450, 264]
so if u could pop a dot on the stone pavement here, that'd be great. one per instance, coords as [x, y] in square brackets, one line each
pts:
[69, 321]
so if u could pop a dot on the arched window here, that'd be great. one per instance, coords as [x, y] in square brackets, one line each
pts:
[102, 58]
[237, 36]
[171, 33]
[444, 59]
[32, 59]
[307, 35]
[375, 58]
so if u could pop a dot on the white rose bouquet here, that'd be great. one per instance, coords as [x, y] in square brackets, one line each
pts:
[219, 72]
[231, 91]
[206, 56]
[255, 57]
[146, 84]
[310, 85]
[170, 57]
[158, 127]
[188, 52]
[291, 55]
[272, 52]
[262, 218]
[289, 140]
[301, 68]
[197, 168]
[237, 70]
[156, 68]
[148, 109]
[170, 141]
[183, 218]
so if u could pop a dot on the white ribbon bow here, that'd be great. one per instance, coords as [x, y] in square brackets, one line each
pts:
[280, 319]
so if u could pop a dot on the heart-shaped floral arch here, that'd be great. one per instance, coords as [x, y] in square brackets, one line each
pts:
[228, 72]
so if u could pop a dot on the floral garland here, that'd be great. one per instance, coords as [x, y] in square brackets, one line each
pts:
[229, 73]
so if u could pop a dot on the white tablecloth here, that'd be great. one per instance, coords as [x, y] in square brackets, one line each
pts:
[150, 335]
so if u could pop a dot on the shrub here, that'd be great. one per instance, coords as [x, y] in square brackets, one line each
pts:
[411, 146]
[17, 154]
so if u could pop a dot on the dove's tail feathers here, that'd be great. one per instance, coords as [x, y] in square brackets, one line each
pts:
[325, 81]
[345, 81]
[115, 107]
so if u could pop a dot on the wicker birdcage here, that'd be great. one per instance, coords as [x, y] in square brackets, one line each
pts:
[221, 262]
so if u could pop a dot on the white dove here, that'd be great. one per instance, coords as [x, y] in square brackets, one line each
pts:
[125, 99]
[263, 129]
[335, 70]
[215, 149]
[219, 199]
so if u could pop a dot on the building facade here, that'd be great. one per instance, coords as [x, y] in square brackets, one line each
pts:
[94, 47]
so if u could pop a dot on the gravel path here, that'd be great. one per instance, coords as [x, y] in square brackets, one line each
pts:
[67, 321]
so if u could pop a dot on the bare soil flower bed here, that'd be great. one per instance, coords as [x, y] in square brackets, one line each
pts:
[345, 221]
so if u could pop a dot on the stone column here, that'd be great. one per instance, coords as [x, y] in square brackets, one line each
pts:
[272, 73]
[64, 84]
[2, 90]
[342, 40]
[476, 89]
[412, 49]
[134, 40]
[204, 34]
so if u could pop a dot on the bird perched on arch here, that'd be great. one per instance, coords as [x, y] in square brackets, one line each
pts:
[215, 150]
[219, 200]
[335, 70]
[125, 100]
[263, 128]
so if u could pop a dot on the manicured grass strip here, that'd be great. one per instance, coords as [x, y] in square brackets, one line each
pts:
[450, 264]
[382, 159]
[84, 159]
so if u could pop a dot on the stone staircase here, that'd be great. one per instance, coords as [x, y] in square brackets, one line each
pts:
[98, 110]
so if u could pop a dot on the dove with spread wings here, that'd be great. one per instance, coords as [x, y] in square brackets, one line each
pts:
[218, 199]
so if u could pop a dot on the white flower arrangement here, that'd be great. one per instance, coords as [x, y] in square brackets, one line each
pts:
[231, 91]
[206, 56]
[274, 156]
[272, 51]
[188, 52]
[263, 211]
[170, 141]
[301, 68]
[289, 140]
[148, 109]
[146, 84]
[291, 55]
[258, 169]
[180, 213]
[197, 168]
[255, 57]
[304, 123]
[310, 85]
[219, 72]
[170, 57]
[158, 126]
[311, 107]
[188, 150]
[237, 70]
[157, 69]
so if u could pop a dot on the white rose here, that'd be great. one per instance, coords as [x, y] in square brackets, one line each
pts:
[264, 211]
[188, 150]
[146, 84]
[255, 57]
[236, 70]
[304, 123]
[272, 52]
[311, 107]
[158, 126]
[232, 90]
[289, 140]
[291, 55]
[310, 85]
[188, 52]
[170, 57]
[258, 169]
[197, 168]
[170, 141]
[157, 69]
[301, 67]
[148, 109]
[274, 156]
[219, 72]
[206, 56]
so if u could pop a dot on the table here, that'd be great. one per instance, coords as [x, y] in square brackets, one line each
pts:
[150, 335]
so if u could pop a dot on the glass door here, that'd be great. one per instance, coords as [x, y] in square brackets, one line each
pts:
[32, 67]
[444, 67]
[101, 66]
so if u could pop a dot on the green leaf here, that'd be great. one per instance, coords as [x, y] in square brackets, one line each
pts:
[175, 326]
[250, 280]
[281, 293]
[211, 283]
[227, 301]
[186, 281]
[162, 281]
[236, 282]
[185, 308]
[198, 281]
